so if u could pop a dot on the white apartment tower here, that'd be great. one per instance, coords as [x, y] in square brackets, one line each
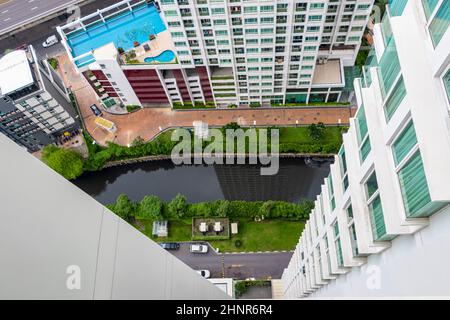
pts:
[380, 226]
[220, 52]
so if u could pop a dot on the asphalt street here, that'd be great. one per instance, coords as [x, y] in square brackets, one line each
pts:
[237, 266]
[39, 33]
[14, 13]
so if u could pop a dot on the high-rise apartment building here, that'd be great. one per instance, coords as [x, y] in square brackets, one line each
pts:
[219, 52]
[34, 104]
[380, 225]
[59, 243]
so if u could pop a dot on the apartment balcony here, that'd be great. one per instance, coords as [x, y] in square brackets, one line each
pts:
[222, 74]
[235, 10]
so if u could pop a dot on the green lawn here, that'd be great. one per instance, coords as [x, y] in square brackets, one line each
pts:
[300, 135]
[269, 235]
[179, 230]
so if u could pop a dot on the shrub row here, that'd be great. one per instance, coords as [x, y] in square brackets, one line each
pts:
[151, 207]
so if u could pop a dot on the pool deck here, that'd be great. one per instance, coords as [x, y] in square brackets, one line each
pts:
[163, 42]
[122, 30]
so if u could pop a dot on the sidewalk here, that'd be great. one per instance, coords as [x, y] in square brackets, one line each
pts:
[148, 122]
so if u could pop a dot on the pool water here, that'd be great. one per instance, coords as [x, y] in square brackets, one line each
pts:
[165, 57]
[123, 30]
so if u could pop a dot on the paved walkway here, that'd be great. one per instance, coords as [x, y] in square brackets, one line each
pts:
[148, 122]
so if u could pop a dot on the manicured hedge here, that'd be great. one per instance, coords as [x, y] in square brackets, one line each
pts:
[178, 208]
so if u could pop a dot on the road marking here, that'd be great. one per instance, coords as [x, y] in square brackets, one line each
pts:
[7, 19]
[6, 11]
[34, 8]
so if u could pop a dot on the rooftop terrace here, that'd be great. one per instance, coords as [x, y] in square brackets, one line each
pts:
[124, 24]
[328, 73]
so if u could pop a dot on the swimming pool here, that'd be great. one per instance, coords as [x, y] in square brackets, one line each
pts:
[165, 57]
[123, 30]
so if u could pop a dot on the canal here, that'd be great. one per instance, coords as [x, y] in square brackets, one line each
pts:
[295, 180]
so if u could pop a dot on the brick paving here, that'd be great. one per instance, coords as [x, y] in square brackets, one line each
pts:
[149, 122]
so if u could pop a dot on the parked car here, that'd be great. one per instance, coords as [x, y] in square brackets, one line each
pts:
[96, 110]
[170, 245]
[199, 248]
[52, 40]
[204, 273]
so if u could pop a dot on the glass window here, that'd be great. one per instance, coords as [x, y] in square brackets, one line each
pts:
[446, 80]
[371, 185]
[395, 99]
[440, 23]
[266, 20]
[429, 6]
[413, 184]
[377, 220]
[404, 143]
[411, 175]
[316, 6]
[315, 18]
[397, 6]
[365, 150]
[331, 192]
[353, 39]
[363, 6]
[251, 20]
[267, 8]
[389, 66]
[170, 13]
[352, 231]
[363, 134]
[217, 11]
[338, 245]
[250, 9]
[343, 166]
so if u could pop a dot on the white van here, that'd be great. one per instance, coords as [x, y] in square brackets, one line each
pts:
[52, 40]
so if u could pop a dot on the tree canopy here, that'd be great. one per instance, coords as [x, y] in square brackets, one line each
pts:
[178, 206]
[150, 208]
[67, 163]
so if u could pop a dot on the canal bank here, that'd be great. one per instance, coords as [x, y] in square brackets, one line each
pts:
[295, 180]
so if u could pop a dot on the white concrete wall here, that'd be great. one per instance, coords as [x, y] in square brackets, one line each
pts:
[48, 224]
[416, 265]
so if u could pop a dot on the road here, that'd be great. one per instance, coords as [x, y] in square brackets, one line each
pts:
[17, 10]
[237, 266]
[15, 13]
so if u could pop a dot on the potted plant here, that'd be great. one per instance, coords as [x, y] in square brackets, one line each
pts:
[121, 50]
[136, 44]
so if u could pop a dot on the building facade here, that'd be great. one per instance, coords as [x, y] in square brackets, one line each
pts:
[219, 52]
[34, 103]
[378, 227]
[57, 242]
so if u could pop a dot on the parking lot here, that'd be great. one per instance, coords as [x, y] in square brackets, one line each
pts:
[237, 266]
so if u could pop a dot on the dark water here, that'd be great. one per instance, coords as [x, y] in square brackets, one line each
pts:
[294, 181]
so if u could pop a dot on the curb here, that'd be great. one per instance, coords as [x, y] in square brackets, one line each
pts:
[258, 252]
